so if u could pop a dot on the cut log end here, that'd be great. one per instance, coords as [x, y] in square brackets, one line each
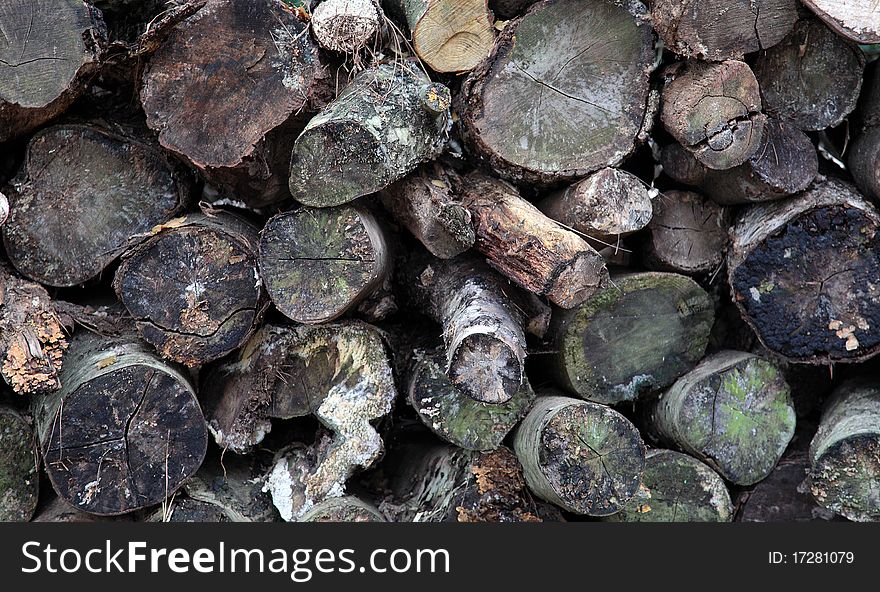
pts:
[451, 35]
[859, 20]
[486, 368]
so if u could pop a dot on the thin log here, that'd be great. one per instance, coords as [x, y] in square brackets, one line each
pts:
[343, 509]
[864, 155]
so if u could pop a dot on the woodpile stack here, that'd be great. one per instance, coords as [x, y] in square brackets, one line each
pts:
[440, 260]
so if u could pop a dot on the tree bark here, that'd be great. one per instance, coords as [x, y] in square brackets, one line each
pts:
[583, 457]
[82, 194]
[845, 452]
[802, 273]
[812, 78]
[343, 509]
[858, 20]
[224, 90]
[719, 30]
[51, 50]
[864, 155]
[603, 207]
[214, 300]
[687, 234]
[550, 103]
[635, 336]
[318, 263]
[450, 36]
[677, 488]
[19, 467]
[528, 247]
[124, 431]
[714, 110]
[733, 411]
[384, 124]
[784, 164]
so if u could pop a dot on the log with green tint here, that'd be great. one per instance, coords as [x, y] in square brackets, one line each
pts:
[733, 411]
[581, 456]
[19, 467]
[637, 335]
[845, 452]
[677, 488]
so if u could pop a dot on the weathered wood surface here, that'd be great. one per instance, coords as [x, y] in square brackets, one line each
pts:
[857, 19]
[19, 466]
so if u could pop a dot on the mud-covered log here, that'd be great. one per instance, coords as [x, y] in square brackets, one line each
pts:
[785, 163]
[583, 457]
[845, 452]
[637, 335]
[605, 206]
[124, 431]
[687, 234]
[812, 78]
[346, 26]
[343, 509]
[19, 466]
[451, 36]
[714, 110]
[50, 50]
[564, 92]
[803, 274]
[318, 263]
[32, 337]
[234, 486]
[533, 250]
[677, 488]
[385, 123]
[722, 29]
[733, 411]
[224, 89]
[425, 203]
[858, 20]
[864, 154]
[452, 414]
[482, 327]
[81, 195]
[213, 299]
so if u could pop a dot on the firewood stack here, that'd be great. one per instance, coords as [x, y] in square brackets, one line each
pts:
[440, 260]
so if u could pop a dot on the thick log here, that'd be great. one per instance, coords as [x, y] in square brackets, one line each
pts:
[225, 88]
[533, 250]
[858, 20]
[384, 124]
[719, 30]
[234, 486]
[426, 204]
[803, 272]
[32, 338]
[346, 26]
[785, 163]
[677, 488]
[317, 264]
[124, 431]
[583, 457]
[603, 207]
[292, 371]
[733, 411]
[343, 509]
[635, 336]
[450, 36]
[714, 110]
[19, 467]
[687, 234]
[213, 300]
[812, 78]
[81, 195]
[552, 103]
[49, 52]
[454, 415]
[864, 154]
[845, 452]
[185, 509]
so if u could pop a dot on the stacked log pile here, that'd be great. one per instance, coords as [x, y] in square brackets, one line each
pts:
[440, 260]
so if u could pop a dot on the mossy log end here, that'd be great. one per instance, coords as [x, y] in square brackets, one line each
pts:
[318, 263]
[564, 92]
[733, 411]
[677, 488]
[635, 336]
[383, 125]
[124, 431]
[19, 467]
[81, 195]
[214, 299]
[858, 20]
[803, 274]
[583, 457]
[533, 250]
[845, 452]
[50, 50]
